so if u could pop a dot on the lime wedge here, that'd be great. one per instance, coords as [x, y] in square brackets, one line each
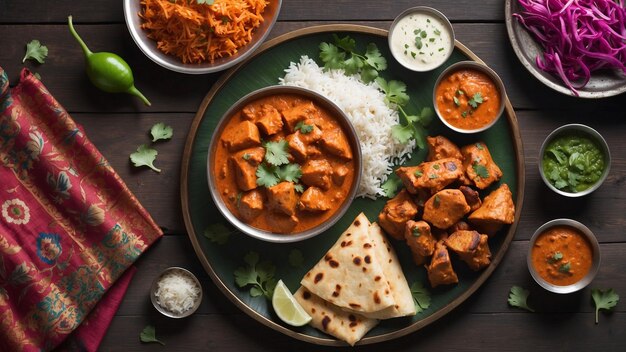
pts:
[287, 308]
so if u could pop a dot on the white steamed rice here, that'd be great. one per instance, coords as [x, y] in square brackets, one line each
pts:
[371, 117]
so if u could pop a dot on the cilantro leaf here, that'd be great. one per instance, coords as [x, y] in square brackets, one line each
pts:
[35, 51]
[390, 187]
[426, 116]
[144, 156]
[303, 127]
[565, 267]
[368, 74]
[421, 297]
[298, 188]
[518, 297]
[206, 2]
[402, 134]
[276, 153]
[480, 170]
[604, 299]
[148, 334]
[331, 56]
[258, 274]
[374, 58]
[289, 172]
[161, 131]
[416, 231]
[476, 100]
[352, 65]
[395, 91]
[217, 233]
[555, 257]
[346, 43]
[296, 259]
[266, 175]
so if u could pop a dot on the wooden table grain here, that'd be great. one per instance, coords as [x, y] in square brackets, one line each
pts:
[118, 123]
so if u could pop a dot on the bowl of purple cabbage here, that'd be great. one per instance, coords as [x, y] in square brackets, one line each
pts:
[576, 47]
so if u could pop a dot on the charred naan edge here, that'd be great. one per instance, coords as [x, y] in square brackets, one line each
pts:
[328, 318]
[350, 275]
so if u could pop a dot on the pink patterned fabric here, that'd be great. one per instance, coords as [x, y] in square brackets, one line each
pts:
[69, 226]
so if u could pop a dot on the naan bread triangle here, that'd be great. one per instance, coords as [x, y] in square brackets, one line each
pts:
[328, 318]
[395, 278]
[350, 274]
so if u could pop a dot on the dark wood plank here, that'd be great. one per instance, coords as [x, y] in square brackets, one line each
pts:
[458, 332]
[491, 298]
[64, 75]
[118, 135]
[17, 11]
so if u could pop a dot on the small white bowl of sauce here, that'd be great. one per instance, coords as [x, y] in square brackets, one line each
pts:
[421, 39]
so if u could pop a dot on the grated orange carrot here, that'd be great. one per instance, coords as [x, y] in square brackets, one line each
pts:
[197, 33]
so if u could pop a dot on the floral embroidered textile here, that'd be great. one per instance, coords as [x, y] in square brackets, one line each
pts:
[69, 226]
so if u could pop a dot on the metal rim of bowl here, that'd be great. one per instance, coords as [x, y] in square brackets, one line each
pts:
[162, 310]
[341, 118]
[595, 136]
[586, 280]
[428, 10]
[148, 46]
[484, 69]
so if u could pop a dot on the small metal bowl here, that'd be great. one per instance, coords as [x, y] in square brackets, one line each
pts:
[348, 129]
[398, 52]
[594, 266]
[148, 46]
[167, 312]
[588, 132]
[472, 65]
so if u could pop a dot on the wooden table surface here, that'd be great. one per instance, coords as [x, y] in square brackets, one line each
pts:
[117, 124]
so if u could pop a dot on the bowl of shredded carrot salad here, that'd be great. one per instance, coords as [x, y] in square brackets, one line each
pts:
[199, 36]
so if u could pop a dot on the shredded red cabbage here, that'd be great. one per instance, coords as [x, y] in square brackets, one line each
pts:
[578, 36]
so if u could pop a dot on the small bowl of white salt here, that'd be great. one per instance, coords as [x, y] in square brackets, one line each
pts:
[176, 293]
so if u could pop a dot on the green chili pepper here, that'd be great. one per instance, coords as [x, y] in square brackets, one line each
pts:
[108, 71]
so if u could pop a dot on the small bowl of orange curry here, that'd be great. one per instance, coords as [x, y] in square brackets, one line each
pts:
[284, 164]
[564, 256]
[469, 97]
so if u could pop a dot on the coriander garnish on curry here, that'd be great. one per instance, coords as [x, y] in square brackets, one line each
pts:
[283, 164]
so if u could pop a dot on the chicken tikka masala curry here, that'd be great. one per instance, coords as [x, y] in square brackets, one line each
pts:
[283, 164]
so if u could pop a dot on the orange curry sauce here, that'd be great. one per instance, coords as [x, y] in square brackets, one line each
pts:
[274, 220]
[562, 255]
[459, 96]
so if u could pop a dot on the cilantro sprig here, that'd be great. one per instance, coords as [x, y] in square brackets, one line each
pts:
[604, 299]
[276, 167]
[258, 275]
[395, 95]
[271, 175]
[518, 297]
[342, 54]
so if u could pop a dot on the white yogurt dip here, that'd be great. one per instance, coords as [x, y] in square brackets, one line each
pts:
[421, 41]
